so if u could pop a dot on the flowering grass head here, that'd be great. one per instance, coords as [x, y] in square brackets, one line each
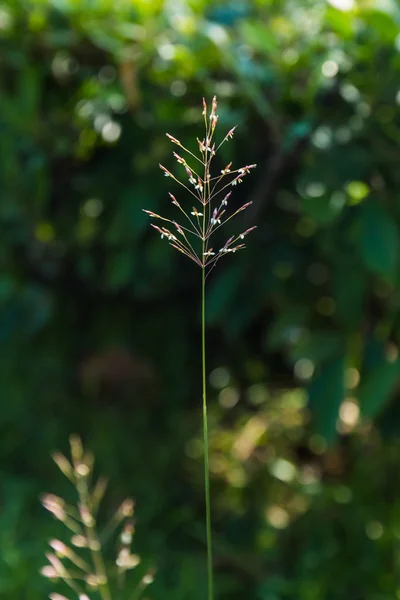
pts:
[211, 196]
[78, 561]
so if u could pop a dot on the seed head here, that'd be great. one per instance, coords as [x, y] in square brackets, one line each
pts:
[195, 237]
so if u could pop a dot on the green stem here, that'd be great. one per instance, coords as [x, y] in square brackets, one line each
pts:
[205, 436]
[94, 544]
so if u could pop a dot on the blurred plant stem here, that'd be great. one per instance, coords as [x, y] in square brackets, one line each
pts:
[91, 534]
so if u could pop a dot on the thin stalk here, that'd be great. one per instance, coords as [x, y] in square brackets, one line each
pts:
[206, 446]
[204, 226]
[94, 545]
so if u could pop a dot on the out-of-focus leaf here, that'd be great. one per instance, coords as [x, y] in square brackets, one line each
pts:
[119, 270]
[379, 240]
[326, 393]
[317, 346]
[382, 23]
[257, 36]
[287, 328]
[322, 210]
[296, 132]
[377, 387]
[349, 283]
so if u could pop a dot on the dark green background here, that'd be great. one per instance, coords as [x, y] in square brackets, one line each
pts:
[99, 319]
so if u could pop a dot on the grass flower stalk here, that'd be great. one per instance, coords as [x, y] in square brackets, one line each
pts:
[90, 576]
[194, 240]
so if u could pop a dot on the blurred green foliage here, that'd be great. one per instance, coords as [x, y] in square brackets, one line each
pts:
[99, 322]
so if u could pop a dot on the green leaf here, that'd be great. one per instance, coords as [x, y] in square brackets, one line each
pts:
[379, 240]
[349, 283]
[342, 26]
[286, 327]
[257, 36]
[382, 23]
[377, 387]
[326, 393]
[322, 210]
[318, 346]
[119, 270]
[299, 130]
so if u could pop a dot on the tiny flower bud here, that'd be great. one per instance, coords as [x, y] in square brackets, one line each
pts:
[229, 135]
[82, 469]
[79, 541]
[86, 517]
[94, 545]
[148, 578]
[173, 140]
[174, 200]
[166, 172]
[55, 505]
[56, 564]
[180, 160]
[58, 546]
[213, 107]
[127, 507]
[49, 571]
[96, 580]
[125, 560]
[244, 206]
[63, 464]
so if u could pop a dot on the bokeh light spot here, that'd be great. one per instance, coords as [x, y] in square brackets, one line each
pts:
[219, 378]
[374, 530]
[283, 470]
[277, 516]
[330, 68]
[178, 88]
[111, 131]
[93, 207]
[304, 368]
[229, 397]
